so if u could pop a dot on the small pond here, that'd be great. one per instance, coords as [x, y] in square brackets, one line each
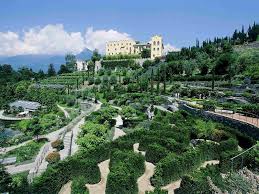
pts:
[6, 132]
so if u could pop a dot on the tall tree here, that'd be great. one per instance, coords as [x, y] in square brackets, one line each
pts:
[51, 70]
[96, 56]
[158, 81]
[70, 62]
[152, 81]
[145, 53]
[63, 69]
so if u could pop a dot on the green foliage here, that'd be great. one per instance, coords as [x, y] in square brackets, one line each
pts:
[125, 168]
[120, 56]
[26, 152]
[182, 164]
[56, 176]
[155, 152]
[5, 181]
[78, 185]
[146, 53]
[51, 70]
[125, 63]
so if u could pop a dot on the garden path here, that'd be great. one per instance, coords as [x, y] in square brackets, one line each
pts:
[100, 187]
[7, 149]
[64, 111]
[77, 128]
[143, 182]
[118, 132]
[13, 169]
[66, 189]
[176, 184]
[136, 149]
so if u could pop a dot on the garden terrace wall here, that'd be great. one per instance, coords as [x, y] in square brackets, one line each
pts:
[244, 128]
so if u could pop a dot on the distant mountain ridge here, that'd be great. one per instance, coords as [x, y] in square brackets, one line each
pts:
[37, 62]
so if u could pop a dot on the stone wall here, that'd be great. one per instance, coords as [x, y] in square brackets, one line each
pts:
[245, 128]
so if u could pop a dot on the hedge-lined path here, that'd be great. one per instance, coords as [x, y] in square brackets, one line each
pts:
[66, 189]
[118, 132]
[176, 184]
[136, 149]
[144, 184]
[100, 187]
[64, 111]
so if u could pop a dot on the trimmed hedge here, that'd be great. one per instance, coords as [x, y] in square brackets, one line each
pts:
[57, 175]
[112, 64]
[173, 167]
[125, 168]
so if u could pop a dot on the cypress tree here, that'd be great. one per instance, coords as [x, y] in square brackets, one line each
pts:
[152, 82]
[158, 81]
[164, 80]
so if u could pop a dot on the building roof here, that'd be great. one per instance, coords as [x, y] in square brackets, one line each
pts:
[27, 105]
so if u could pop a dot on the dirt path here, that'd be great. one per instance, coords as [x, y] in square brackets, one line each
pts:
[176, 184]
[136, 149]
[64, 111]
[100, 187]
[144, 183]
[118, 132]
[66, 189]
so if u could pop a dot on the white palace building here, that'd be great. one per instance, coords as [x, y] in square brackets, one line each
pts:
[133, 47]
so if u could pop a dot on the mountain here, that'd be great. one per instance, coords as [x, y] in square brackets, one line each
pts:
[37, 62]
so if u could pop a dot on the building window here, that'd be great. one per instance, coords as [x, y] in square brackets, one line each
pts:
[154, 43]
[158, 49]
[154, 49]
[158, 42]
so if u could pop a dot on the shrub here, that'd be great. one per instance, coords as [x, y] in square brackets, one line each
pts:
[91, 81]
[53, 157]
[125, 168]
[155, 152]
[97, 81]
[183, 164]
[58, 144]
[78, 185]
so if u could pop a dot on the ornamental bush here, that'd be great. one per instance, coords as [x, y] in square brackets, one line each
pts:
[56, 176]
[53, 158]
[125, 168]
[58, 144]
[183, 164]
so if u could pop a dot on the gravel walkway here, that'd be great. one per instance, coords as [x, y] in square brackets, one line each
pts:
[100, 187]
[66, 189]
[144, 184]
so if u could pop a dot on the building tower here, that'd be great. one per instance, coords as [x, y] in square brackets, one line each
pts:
[156, 46]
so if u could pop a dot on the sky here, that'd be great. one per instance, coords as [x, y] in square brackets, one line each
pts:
[61, 26]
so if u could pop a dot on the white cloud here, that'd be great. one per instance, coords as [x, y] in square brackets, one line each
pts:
[54, 39]
[51, 39]
[97, 39]
[169, 48]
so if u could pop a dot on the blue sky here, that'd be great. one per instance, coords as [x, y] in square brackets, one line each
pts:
[179, 22]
